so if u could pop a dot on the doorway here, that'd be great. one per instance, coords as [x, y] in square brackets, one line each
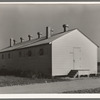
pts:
[77, 58]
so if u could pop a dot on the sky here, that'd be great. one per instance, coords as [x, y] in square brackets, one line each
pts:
[20, 20]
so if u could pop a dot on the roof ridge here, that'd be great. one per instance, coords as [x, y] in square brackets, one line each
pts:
[36, 41]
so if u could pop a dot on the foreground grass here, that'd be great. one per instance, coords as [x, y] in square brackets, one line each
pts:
[95, 90]
[12, 80]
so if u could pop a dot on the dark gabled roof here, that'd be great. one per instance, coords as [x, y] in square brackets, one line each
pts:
[45, 41]
[18, 45]
[42, 40]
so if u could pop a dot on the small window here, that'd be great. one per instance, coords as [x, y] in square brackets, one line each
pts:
[20, 54]
[41, 52]
[9, 55]
[29, 53]
[2, 56]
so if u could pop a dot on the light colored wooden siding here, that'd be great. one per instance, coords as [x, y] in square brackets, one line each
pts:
[62, 53]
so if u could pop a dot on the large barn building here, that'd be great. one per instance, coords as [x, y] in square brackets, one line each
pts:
[64, 53]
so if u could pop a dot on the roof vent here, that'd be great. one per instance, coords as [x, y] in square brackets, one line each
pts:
[66, 27]
[14, 42]
[11, 42]
[21, 39]
[39, 34]
[52, 30]
[30, 37]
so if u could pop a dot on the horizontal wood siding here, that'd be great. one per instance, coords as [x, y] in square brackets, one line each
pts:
[36, 62]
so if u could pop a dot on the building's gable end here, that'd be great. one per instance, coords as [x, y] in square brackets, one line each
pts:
[80, 33]
[88, 38]
[63, 51]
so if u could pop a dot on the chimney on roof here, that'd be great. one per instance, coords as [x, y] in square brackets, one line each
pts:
[14, 42]
[11, 42]
[30, 37]
[66, 27]
[21, 39]
[39, 34]
[48, 32]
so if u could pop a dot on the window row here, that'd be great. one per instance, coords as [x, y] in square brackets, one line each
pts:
[8, 56]
[22, 53]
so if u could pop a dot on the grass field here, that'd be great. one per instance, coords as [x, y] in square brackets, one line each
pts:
[57, 85]
[95, 90]
[12, 80]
